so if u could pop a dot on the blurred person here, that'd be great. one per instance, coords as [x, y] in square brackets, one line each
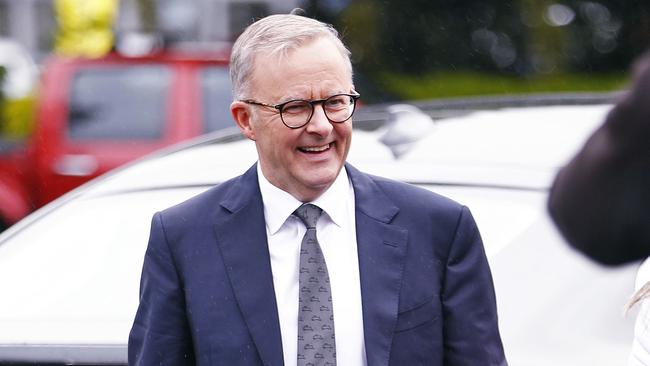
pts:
[303, 259]
[601, 200]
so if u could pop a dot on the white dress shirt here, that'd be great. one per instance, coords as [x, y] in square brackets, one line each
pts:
[336, 234]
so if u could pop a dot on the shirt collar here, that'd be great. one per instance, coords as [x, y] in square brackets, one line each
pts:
[279, 205]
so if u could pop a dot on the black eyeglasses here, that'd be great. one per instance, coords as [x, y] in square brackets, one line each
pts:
[297, 113]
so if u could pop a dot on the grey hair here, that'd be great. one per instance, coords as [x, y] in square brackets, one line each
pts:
[276, 35]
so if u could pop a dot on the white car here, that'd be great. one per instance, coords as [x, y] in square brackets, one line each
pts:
[69, 273]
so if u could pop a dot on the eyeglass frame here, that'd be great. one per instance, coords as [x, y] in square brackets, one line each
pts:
[312, 103]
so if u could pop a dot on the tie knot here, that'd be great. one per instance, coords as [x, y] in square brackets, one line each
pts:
[309, 214]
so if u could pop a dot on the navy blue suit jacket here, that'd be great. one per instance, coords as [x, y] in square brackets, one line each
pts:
[207, 294]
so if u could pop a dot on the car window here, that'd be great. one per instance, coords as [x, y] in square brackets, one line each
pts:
[217, 95]
[119, 102]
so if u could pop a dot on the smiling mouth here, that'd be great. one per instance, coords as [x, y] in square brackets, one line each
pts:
[315, 149]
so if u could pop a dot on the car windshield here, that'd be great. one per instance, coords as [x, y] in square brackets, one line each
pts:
[119, 102]
[216, 94]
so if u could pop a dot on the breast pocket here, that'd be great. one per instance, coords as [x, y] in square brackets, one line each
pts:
[424, 313]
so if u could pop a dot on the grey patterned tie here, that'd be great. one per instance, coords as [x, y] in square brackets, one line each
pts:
[316, 344]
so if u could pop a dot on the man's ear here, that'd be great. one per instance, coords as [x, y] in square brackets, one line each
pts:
[241, 113]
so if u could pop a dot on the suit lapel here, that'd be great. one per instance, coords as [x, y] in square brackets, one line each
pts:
[382, 249]
[241, 237]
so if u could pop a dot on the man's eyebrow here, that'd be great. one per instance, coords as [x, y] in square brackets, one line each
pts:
[290, 98]
[327, 95]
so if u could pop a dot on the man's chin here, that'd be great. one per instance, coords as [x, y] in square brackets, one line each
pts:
[313, 187]
[322, 177]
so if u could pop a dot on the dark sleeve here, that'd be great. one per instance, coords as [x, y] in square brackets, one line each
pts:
[600, 200]
[160, 334]
[471, 330]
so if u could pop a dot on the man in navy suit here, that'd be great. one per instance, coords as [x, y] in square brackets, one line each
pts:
[404, 272]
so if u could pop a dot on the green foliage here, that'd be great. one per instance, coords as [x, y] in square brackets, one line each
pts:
[361, 33]
[3, 73]
[474, 47]
[16, 116]
[456, 84]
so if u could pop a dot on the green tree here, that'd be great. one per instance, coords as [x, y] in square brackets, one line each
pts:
[561, 43]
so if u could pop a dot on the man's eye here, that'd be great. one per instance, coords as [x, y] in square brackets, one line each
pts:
[338, 101]
[295, 107]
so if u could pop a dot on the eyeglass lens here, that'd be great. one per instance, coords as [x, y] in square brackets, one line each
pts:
[338, 108]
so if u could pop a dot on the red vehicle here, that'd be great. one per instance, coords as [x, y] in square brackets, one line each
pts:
[14, 197]
[96, 114]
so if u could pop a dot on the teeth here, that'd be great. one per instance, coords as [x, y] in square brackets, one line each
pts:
[316, 148]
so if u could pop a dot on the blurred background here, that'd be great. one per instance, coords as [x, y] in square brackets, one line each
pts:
[402, 49]
[418, 50]
[514, 88]
[426, 49]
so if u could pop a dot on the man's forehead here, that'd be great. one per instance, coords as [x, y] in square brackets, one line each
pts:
[280, 54]
[288, 77]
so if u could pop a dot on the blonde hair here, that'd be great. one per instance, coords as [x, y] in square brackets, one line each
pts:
[276, 35]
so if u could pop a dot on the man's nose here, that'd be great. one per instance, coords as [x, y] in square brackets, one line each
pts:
[319, 123]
